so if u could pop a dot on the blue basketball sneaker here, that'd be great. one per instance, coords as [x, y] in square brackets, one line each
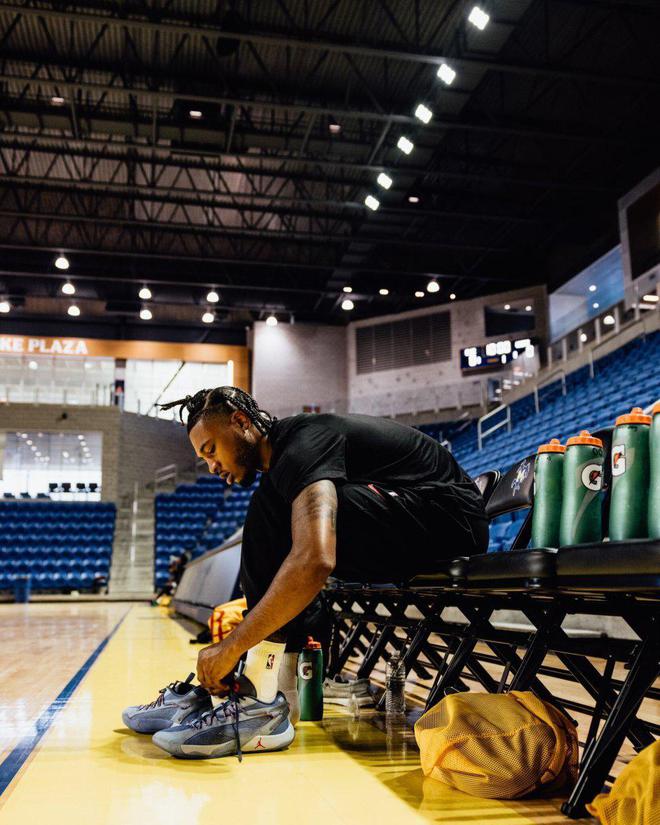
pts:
[177, 703]
[241, 724]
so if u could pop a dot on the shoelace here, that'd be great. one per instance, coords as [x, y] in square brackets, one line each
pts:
[230, 707]
[158, 701]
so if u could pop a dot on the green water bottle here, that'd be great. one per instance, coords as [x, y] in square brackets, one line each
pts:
[630, 476]
[581, 508]
[548, 480]
[654, 488]
[310, 681]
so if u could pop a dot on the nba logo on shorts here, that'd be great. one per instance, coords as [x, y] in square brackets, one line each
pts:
[270, 661]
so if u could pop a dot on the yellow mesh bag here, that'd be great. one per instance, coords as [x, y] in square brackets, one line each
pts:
[498, 746]
[635, 795]
[225, 618]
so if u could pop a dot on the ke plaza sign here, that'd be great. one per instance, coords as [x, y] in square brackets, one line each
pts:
[17, 345]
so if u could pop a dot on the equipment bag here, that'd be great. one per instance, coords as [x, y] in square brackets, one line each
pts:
[498, 746]
[635, 795]
[225, 618]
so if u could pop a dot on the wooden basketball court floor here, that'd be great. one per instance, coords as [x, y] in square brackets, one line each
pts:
[65, 756]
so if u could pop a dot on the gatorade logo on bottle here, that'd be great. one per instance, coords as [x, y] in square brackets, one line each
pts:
[305, 670]
[592, 477]
[619, 460]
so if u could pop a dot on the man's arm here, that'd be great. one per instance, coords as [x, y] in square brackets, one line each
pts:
[300, 578]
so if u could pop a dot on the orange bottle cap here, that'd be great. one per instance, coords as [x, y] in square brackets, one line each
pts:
[585, 437]
[312, 645]
[635, 416]
[555, 446]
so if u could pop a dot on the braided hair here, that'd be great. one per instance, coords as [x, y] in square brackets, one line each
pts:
[221, 400]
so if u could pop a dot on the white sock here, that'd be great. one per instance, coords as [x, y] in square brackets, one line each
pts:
[262, 668]
[288, 685]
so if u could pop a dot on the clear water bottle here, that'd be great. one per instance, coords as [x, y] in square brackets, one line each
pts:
[395, 683]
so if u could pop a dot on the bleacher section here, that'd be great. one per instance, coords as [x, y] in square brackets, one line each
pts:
[593, 402]
[196, 518]
[61, 546]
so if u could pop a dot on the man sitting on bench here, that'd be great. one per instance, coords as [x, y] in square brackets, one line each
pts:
[364, 499]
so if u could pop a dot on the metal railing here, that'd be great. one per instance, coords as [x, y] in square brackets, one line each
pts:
[165, 477]
[483, 434]
[545, 383]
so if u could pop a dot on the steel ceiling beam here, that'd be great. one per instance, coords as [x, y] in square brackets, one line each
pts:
[97, 149]
[311, 40]
[382, 272]
[286, 236]
[154, 96]
[192, 197]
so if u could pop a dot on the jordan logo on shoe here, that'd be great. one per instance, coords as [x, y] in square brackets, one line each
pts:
[259, 744]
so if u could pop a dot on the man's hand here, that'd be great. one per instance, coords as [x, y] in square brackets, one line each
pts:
[213, 664]
[300, 578]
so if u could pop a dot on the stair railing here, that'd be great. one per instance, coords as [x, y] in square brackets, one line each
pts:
[506, 421]
[546, 381]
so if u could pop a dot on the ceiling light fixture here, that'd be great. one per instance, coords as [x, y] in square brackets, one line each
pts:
[384, 180]
[57, 100]
[334, 128]
[145, 293]
[33, 365]
[5, 306]
[433, 286]
[195, 114]
[145, 314]
[446, 74]
[592, 287]
[347, 305]
[413, 198]
[419, 294]
[62, 262]
[423, 113]
[348, 289]
[452, 296]
[213, 297]
[609, 321]
[651, 299]
[478, 18]
[371, 202]
[208, 317]
[383, 291]
[595, 305]
[73, 310]
[68, 288]
[507, 307]
[405, 145]
[528, 308]
[271, 321]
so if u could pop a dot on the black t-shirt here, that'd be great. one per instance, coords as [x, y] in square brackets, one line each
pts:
[359, 449]
[405, 498]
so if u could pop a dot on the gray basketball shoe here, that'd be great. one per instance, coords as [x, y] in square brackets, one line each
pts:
[241, 724]
[177, 703]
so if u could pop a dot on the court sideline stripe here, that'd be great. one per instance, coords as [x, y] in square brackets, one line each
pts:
[20, 753]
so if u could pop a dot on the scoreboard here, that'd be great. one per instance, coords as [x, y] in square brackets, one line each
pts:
[496, 354]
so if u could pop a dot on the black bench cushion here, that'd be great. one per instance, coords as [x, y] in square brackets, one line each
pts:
[487, 482]
[445, 572]
[513, 568]
[514, 491]
[614, 565]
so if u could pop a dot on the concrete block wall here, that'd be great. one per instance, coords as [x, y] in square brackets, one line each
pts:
[133, 446]
[297, 365]
[468, 328]
[145, 445]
